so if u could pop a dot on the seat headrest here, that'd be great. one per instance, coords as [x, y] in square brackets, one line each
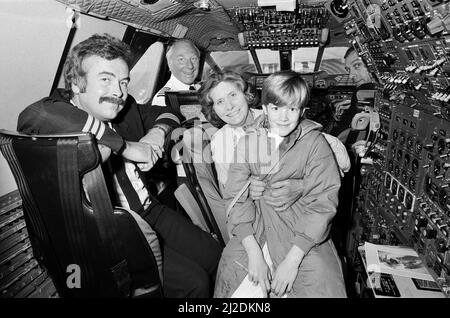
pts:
[182, 97]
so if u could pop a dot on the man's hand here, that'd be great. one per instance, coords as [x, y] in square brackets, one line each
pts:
[105, 152]
[141, 153]
[282, 194]
[360, 147]
[155, 137]
[340, 108]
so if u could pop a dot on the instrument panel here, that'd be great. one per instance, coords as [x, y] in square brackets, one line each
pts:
[265, 27]
[404, 198]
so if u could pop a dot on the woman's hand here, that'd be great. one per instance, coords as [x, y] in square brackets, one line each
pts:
[282, 194]
[256, 188]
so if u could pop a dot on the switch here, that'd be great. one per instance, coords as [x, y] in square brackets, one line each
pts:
[435, 219]
[441, 246]
[421, 222]
[433, 72]
[429, 233]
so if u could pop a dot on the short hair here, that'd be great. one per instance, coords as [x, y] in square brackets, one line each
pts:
[285, 88]
[104, 46]
[177, 41]
[349, 51]
[214, 80]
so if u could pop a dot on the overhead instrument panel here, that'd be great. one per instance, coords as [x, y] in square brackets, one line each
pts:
[404, 42]
[265, 27]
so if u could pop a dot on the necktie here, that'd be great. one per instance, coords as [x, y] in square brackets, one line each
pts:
[192, 88]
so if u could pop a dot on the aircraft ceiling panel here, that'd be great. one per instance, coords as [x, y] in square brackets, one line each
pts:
[211, 29]
[129, 13]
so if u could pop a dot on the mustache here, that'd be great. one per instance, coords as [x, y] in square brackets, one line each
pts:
[113, 100]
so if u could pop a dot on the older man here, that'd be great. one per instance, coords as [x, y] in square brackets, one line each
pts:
[96, 100]
[183, 58]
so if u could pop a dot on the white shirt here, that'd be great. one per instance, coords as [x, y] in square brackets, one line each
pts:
[223, 146]
[173, 84]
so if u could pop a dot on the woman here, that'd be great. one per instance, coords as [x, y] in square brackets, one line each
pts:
[225, 99]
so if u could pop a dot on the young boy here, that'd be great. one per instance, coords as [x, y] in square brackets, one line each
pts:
[287, 253]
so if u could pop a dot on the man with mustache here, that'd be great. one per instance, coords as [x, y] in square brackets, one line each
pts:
[96, 100]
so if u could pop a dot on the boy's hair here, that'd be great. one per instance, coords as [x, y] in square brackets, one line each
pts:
[214, 80]
[285, 88]
[104, 46]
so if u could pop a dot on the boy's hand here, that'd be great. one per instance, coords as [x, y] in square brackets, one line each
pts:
[284, 277]
[259, 272]
[287, 271]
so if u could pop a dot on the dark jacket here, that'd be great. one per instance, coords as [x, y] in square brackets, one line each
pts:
[55, 115]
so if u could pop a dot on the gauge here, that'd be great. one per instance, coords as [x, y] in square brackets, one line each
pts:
[419, 147]
[412, 183]
[396, 171]
[407, 159]
[415, 165]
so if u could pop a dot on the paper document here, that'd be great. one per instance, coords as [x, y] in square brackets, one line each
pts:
[396, 260]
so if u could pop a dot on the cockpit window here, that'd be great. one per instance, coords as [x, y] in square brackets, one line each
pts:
[269, 60]
[242, 61]
[304, 60]
[333, 61]
[237, 61]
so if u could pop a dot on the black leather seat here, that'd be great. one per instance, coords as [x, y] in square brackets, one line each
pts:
[200, 174]
[89, 248]
[202, 179]
[177, 99]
